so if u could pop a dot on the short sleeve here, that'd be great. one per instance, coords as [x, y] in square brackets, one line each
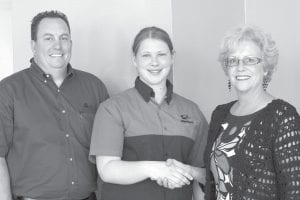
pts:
[108, 132]
[103, 93]
[6, 120]
[196, 157]
[287, 153]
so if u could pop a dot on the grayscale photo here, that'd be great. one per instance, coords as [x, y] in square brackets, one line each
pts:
[149, 100]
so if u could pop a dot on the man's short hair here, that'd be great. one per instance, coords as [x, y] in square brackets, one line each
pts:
[46, 14]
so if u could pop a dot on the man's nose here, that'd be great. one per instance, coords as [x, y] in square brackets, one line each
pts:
[57, 44]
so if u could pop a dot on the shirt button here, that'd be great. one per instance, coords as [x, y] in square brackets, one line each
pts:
[63, 111]
[67, 135]
[47, 75]
[71, 159]
[58, 90]
[72, 182]
[45, 81]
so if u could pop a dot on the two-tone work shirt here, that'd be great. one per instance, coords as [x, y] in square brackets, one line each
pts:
[132, 126]
[45, 132]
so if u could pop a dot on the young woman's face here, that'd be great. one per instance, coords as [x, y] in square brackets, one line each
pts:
[247, 68]
[153, 61]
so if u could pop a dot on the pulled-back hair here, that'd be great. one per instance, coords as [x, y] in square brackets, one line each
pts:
[152, 33]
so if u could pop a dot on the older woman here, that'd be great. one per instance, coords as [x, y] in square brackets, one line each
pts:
[253, 144]
[148, 140]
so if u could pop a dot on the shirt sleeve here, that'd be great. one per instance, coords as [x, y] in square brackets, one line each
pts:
[287, 154]
[197, 154]
[6, 120]
[103, 93]
[108, 132]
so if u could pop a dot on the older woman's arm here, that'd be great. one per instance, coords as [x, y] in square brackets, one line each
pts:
[287, 155]
[198, 193]
[114, 170]
[197, 173]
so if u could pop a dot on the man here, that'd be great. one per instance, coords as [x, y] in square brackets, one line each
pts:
[46, 117]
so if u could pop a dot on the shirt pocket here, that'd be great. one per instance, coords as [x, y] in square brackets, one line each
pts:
[86, 115]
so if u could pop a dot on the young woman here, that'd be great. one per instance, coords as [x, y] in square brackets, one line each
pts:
[149, 141]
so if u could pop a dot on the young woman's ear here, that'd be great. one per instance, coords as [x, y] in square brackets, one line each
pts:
[133, 59]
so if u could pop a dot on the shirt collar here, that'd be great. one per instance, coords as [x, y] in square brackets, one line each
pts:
[41, 74]
[147, 92]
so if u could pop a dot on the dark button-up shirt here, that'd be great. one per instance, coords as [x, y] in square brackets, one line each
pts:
[132, 126]
[45, 132]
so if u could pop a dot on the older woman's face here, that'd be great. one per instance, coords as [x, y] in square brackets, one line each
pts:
[153, 61]
[245, 68]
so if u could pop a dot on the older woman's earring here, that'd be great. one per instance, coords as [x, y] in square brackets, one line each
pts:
[265, 83]
[229, 85]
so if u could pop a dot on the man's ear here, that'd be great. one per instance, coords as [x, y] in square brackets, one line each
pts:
[32, 44]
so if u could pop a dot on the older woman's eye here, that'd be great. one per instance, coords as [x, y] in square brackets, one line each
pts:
[251, 60]
[232, 61]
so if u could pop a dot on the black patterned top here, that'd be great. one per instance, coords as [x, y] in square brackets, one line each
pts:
[267, 156]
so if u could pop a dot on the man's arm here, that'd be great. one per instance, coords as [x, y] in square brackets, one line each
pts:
[5, 193]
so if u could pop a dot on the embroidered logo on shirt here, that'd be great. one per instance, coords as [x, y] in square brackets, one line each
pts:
[186, 118]
[86, 105]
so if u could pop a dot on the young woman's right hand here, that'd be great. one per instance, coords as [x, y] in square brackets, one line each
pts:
[170, 176]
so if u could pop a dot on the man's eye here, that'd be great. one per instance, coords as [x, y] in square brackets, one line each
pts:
[146, 55]
[48, 38]
[65, 38]
[162, 54]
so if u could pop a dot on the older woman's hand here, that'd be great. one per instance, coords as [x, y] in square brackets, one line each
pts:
[182, 169]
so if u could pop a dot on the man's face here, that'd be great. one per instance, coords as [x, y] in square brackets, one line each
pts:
[53, 46]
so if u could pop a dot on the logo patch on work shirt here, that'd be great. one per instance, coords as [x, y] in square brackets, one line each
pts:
[186, 118]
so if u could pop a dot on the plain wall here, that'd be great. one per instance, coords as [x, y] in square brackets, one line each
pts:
[102, 33]
[198, 26]
[6, 45]
[281, 19]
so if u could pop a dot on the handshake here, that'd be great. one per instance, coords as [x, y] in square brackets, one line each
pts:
[174, 174]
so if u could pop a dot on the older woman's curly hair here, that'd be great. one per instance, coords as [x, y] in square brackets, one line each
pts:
[234, 37]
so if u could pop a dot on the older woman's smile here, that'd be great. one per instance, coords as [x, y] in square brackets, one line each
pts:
[242, 77]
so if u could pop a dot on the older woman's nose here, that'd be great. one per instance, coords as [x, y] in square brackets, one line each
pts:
[240, 65]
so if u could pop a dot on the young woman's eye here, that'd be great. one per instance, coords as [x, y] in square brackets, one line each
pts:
[48, 38]
[146, 55]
